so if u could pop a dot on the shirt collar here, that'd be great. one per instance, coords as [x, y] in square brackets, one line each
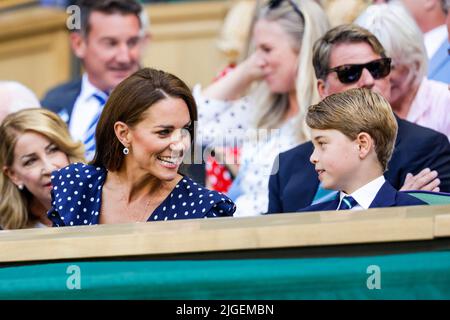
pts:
[434, 38]
[88, 89]
[367, 193]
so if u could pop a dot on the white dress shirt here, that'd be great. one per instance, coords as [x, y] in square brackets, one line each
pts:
[365, 195]
[85, 109]
[434, 38]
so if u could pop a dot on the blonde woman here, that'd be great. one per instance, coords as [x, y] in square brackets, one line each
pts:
[270, 91]
[34, 143]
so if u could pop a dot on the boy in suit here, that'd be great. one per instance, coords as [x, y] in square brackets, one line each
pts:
[353, 134]
[349, 57]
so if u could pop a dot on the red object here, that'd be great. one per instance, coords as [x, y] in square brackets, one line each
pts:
[224, 72]
[218, 177]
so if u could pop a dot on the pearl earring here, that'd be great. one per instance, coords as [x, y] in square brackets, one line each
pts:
[20, 186]
[126, 151]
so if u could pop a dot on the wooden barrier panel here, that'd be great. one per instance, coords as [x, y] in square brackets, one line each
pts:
[35, 50]
[184, 39]
[7, 4]
[420, 223]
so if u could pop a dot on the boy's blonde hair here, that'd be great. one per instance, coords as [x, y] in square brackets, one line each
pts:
[355, 111]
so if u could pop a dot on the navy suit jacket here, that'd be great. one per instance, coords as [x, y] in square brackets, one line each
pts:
[61, 99]
[295, 183]
[439, 64]
[387, 196]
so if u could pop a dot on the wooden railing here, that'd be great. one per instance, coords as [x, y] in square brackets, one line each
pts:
[402, 224]
[9, 4]
[35, 50]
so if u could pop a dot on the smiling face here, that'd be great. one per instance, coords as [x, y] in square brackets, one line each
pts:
[158, 143]
[35, 157]
[280, 60]
[111, 50]
[335, 158]
[353, 53]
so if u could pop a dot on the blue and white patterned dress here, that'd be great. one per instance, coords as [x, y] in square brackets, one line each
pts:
[77, 193]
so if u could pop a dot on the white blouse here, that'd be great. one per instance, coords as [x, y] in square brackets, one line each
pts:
[224, 122]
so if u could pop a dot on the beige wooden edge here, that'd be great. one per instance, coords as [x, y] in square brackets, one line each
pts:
[224, 234]
[12, 3]
[442, 226]
[165, 18]
[186, 11]
[31, 21]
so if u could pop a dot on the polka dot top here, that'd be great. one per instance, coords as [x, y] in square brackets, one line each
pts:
[77, 193]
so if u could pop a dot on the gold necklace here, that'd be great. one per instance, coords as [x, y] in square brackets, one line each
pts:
[124, 199]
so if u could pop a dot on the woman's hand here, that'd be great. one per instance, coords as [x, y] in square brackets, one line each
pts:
[235, 84]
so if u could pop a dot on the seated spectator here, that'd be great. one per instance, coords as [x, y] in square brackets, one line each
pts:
[143, 135]
[413, 96]
[430, 17]
[109, 44]
[34, 143]
[281, 81]
[353, 134]
[348, 57]
[14, 96]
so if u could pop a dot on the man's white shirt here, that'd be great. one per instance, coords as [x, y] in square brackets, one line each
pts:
[85, 109]
[434, 38]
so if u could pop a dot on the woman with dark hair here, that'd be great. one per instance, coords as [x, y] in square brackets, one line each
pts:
[143, 134]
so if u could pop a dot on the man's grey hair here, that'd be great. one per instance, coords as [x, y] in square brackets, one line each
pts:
[14, 96]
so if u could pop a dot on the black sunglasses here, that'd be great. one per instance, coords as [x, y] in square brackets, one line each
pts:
[350, 73]
[273, 4]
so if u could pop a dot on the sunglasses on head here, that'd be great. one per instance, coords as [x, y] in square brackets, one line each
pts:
[350, 73]
[273, 4]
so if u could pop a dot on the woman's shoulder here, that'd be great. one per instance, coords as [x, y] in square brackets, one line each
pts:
[208, 203]
[77, 174]
[195, 189]
[76, 193]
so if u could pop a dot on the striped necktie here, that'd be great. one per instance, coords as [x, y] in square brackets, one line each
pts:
[347, 203]
[89, 136]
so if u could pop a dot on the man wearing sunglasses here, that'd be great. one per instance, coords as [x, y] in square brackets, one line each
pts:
[349, 57]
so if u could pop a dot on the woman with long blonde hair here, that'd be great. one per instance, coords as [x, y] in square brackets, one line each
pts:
[269, 92]
[34, 142]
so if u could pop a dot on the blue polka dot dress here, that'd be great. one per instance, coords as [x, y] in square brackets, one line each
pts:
[77, 191]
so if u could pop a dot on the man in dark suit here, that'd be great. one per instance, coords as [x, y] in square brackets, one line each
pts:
[347, 57]
[109, 44]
